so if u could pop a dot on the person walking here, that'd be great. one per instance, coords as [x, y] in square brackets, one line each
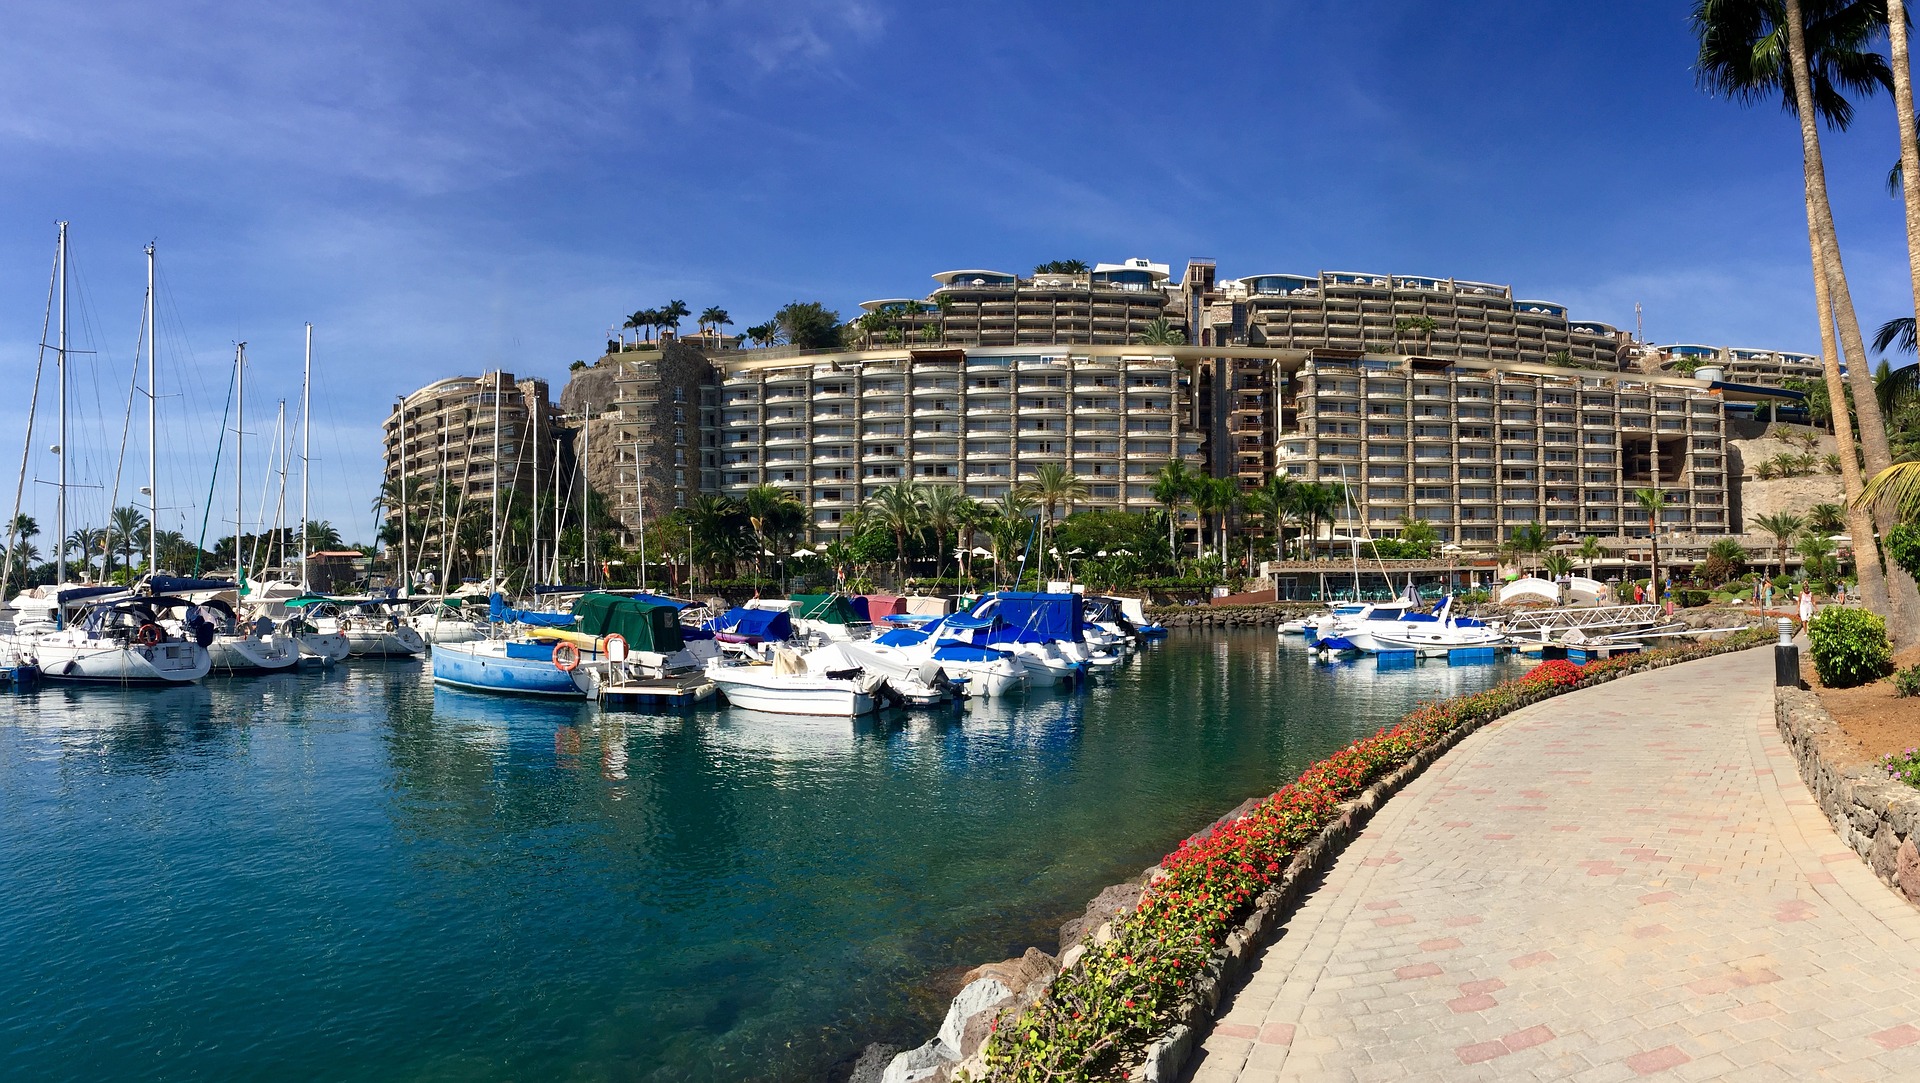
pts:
[1806, 605]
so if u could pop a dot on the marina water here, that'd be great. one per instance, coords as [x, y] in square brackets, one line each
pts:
[348, 874]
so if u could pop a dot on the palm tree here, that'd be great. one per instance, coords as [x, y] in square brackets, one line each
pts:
[1215, 499]
[1314, 501]
[1783, 527]
[322, 536]
[899, 507]
[1555, 565]
[773, 513]
[1053, 485]
[945, 304]
[714, 318]
[1590, 551]
[1418, 532]
[1816, 556]
[1420, 328]
[128, 529]
[1274, 501]
[1528, 540]
[719, 526]
[83, 542]
[947, 509]
[1171, 488]
[1653, 502]
[1823, 59]
[671, 315]
[24, 526]
[1159, 332]
[1827, 518]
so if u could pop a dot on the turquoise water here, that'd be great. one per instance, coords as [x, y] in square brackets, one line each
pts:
[350, 875]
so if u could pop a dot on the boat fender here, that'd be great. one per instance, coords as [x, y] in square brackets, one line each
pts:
[566, 657]
[149, 635]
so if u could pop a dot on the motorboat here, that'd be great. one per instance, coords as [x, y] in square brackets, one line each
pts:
[920, 683]
[830, 618]
[641, 655]
[1044, 631]
[105, 635]
[1438, 631]
[785, 685]
[979, 670]
[1135, 610]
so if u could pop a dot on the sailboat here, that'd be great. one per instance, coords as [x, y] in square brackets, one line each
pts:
[81, 632]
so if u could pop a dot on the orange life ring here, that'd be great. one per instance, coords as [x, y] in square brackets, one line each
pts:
[149, 635]
[566, 657]
[615, 647]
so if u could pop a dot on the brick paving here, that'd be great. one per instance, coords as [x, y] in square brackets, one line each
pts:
[1628, 881]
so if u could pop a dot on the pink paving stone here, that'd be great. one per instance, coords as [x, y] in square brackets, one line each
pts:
[1521, 962]
[1540, 794]
[1464, 919]
[1481, 1051]
[1445, 943]
[1760, 976]
[1658, 897]
[1384, 904]
[1605, 870]
[1897, 1037]
[1276, 1034]
[1646, 931]
[1528, 1038]
[1657, 1060]
[1417, 970]
[1566, 827]
[1683, 830]
[1821, 877]
[1844, 855]
[1397, 919]
[1483, 985]
[1497, 836]
[1236, 1030]
[1478, 1002]
[1710, 986]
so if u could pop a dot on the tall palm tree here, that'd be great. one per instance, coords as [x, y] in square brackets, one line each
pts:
[1590, 551]
[1159, 332]
[1909, 149]
[1653, 502]
[83, 542]
[1053, 485]
[1527, 542]
[1317, 501]
[946, 509]
[714, 318]
[322, 536]
[1783, 527]
[128, 528]
[1821, 59]
[673, 313]
[1273, 500]
[1171, 488]
[1215, 499]
[773, 513]
[1011, 524]
[900, 508]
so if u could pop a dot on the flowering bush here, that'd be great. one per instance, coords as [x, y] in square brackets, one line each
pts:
[1098, 1017]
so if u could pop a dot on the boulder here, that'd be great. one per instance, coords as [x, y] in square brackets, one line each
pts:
[919, 1065]
[872, 1064]
[1907, 875]
[1117, 899]
[1016, 974]
[980, 995]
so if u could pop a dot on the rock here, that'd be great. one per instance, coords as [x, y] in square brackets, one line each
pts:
[1114, 900]
[1016, 974]
[1885, 855]
[918, 1065]
[978, 996]
[872, 1064]
[980, 1024]
[1071, 956]
[1907, 871]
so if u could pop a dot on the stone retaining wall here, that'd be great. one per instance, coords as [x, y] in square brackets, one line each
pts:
[1266, 614]
[1875, 815]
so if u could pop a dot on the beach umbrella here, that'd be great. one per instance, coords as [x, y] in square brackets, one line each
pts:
[982, 552]
[802, 553]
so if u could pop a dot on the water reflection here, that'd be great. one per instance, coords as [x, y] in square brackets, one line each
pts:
[351, 873]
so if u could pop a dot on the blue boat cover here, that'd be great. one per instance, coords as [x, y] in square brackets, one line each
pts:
[766, 624]
[75, 594]
[661, 599]
[900, 637]
[1024, 617]
[962, 622]
[499, 612]
[965, 652]
[175, 584]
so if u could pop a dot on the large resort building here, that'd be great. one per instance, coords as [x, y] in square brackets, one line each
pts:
[442, 437]
[1437, 399]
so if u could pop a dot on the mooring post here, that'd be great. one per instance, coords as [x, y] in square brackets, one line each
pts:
[1786, 658]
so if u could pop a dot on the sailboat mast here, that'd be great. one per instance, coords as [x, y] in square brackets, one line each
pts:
[282, 444]
[306, 444]
[153, 440]
[60, 452]
[586, 491]
[640, 502]
[533, 520]
[493, 550]
[556, 576]
[239, 459]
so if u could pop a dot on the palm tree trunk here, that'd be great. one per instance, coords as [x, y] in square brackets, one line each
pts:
[1899, 601]
[1873, 587]
[1909, 141]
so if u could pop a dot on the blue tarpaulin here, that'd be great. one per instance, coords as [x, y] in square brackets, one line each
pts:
[499, 612]
[1024, 617]
[756, 624]
[901, 637]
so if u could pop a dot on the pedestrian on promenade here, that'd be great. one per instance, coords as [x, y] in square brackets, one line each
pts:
[1806, 604]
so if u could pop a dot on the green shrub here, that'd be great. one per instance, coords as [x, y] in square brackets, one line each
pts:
[1904, 766]
[1849, 646]
[1688, 598]
[1906, 683]
[1903, 545]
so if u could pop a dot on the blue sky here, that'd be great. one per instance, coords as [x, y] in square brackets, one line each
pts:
[446, 187]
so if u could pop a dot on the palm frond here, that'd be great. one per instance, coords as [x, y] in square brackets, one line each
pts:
[1895, 489]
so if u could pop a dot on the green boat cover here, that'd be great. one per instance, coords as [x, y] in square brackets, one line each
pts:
[825, 608]
[645, 626]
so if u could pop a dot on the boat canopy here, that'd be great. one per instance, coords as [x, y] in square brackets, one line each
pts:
[499, 612]
[901, 637]
[754, 624]
[661, 599]
[965, 652]
[307, 600]
[1024, 617]
[75, 594]
[828, 608]
[644, 625]
[880, 606]
[175, 584]
[962, 622]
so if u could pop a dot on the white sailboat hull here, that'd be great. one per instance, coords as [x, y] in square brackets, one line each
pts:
[757, 688]
[253, 654]
[325, 648]
[73, 656]
[402, 642]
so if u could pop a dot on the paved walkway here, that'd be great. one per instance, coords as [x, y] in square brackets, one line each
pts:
[1622, 882]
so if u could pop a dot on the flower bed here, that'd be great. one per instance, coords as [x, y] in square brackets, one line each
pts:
[1138, 980]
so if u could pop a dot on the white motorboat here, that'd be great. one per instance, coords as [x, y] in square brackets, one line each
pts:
[785, 686]
[1440, 631]
[918, 683]
[979, 671]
